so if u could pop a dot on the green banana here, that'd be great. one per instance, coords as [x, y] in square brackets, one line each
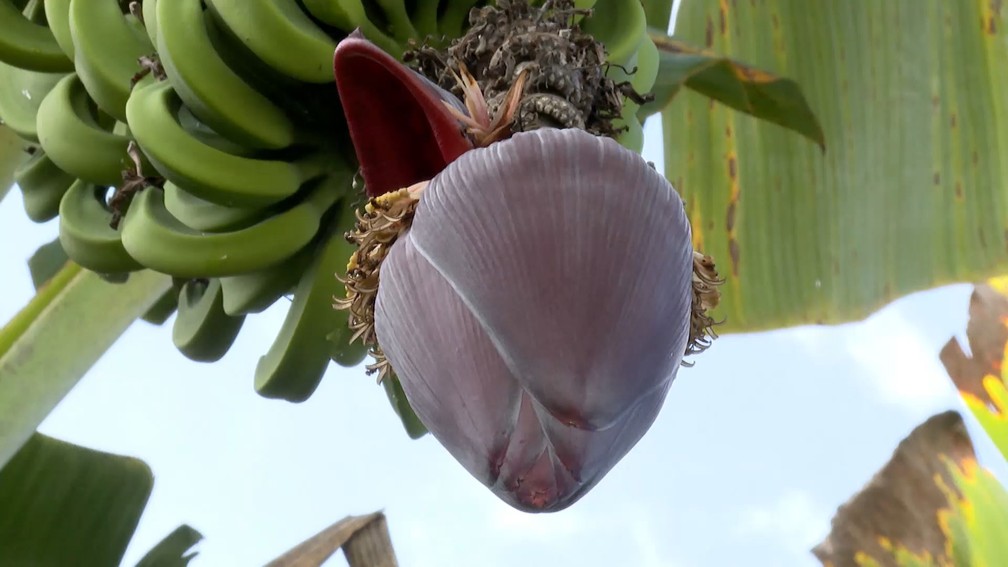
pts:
[425, 18]
[85, 233]
[398, 19]
[621, 25]
[160, 242]
[57, 13]
[148, 9]
[163, 308]
[107, 45]
[73, 138]
[201, 215]
[350, 14]
[281, 35]
[255, 291]
[341, 350]
[197, 129]
[455, 16]
[27, 44]
[202, 331]
[42, 185]
[397, 398]
[643, 79]
[207, 85]
[329, 12]
[21, 93]
[205, 171]
[295, 363]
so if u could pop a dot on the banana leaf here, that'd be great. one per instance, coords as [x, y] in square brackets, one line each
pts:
[175, 550]
[68, 505]
[982, 376]
[912, 96]
[43, 352]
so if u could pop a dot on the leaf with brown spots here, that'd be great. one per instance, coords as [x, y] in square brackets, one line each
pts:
[902, 501]
[987, 334]
[901, 202]
[744, 88]
[982, 378]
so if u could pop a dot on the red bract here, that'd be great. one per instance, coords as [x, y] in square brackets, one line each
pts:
[538, 308]
[400, 129]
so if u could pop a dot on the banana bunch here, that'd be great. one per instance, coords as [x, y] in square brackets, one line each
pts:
[203, 139]
[621, 25]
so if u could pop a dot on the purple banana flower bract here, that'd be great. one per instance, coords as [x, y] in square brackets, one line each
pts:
[538, 309]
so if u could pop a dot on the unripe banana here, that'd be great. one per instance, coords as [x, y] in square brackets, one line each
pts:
[163, 308]
[621, 25]
[454, 17]
[202, 331]
[21, 93]
[281, 35]
[57, 13]
[197, 129]
[349, 15]
[425, 18]
[29, 45]
[148, 9]
[398, 20]
[346, 355]
[643, 79]
[160, 242]
[42, 185]
[72, 137]
[397, 398]
[255, 291]
[294, 365]
[205, 216]
[205, 171]
[85, 232]
[206, 84]
[107, 45]
[330, 12]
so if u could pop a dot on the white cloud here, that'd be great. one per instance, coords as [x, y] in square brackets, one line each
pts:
[648, 544]
[795, 520]
[543, 527]
[898, 362]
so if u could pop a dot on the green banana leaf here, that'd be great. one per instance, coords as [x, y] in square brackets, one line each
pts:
[911, 193]
[11, 153]
[175, 550]
[43, 352]
[735, 84]
[67, 505]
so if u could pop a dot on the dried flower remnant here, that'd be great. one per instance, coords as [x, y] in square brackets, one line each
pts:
[564, 68]
[382, 220]
[705, 299]
[483, 129]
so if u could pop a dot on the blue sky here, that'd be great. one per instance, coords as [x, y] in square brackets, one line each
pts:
[753, 451]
